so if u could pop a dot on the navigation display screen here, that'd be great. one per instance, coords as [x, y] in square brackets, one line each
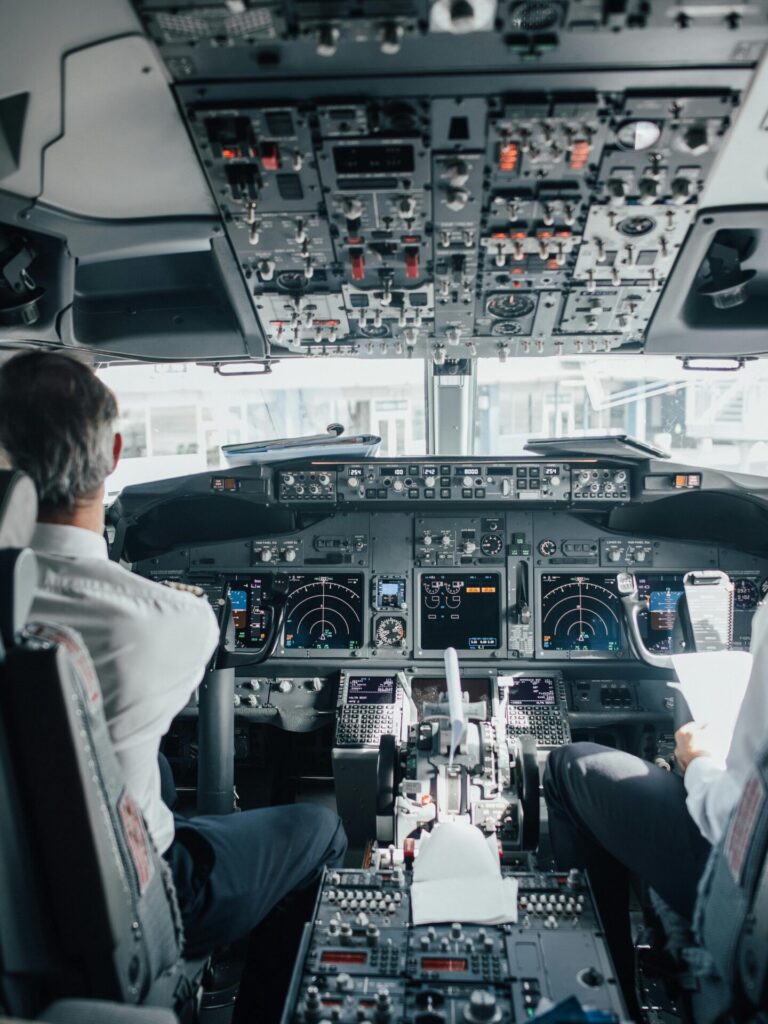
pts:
[580, 613]
[661, 593]
[532, 691]
[460, 610]
[371, 690]
[324, 612]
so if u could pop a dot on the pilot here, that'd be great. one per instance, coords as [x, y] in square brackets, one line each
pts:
[615, 814]
[150, 645]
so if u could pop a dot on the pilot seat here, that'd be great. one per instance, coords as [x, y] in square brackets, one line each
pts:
[89, 928]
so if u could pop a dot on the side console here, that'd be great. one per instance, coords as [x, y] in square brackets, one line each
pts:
[363, 960]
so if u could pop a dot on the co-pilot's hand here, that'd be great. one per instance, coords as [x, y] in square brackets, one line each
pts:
[690, 743]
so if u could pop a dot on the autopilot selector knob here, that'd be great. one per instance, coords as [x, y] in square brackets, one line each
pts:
[469, 547]
[265, 555]
[426, 540]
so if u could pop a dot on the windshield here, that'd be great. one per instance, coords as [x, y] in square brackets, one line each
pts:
[175, 417]
[714, 419]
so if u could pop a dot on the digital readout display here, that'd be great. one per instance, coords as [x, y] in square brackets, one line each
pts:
[532, 691]
[371, 690]
[460, 610]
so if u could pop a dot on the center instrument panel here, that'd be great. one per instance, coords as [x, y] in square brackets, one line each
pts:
[507, 563]
[508, 586]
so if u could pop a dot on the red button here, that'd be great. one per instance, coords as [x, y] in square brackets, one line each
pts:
[411, 263]
[358, 264]
[270, 156]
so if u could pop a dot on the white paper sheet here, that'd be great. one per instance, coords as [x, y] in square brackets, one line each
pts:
[455, 704]
[714, 685]
[457, 877]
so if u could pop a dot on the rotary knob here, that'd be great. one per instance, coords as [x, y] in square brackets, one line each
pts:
[481, 1007]
[285, 686]
[446, 540]
[289, 479]
[251, 700]
[398, 485]
[289, 554]
[327, 41]
[406, 207]
[468, 481]
[458, 173]
[457, 199]
[265, 555]
[353, 482]
[426, 540]
[469, 547]
[353, 209]
[324, 479]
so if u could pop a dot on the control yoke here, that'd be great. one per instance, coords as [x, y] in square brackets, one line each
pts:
[634, 606]
[274, 607]
[704, 611]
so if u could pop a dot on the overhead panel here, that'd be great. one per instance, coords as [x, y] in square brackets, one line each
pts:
[456, 225]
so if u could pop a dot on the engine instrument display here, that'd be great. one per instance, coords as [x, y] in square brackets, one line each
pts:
[460, 610]
[324, 612]
[661, 593]
[580, 613]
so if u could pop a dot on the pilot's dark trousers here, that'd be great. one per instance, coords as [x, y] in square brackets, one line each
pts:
[615, 814]
[254, 873]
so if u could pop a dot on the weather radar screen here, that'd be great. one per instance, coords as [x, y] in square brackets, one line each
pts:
[324, 612]
[580, 613]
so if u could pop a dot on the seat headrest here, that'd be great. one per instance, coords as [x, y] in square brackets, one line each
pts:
[18, 509]
[18, 581]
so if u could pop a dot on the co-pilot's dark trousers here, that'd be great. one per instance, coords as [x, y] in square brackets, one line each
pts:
[614, 814]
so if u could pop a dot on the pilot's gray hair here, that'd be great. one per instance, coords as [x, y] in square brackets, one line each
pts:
[57, 424]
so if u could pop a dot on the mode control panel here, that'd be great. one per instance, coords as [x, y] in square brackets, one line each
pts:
[405, 481]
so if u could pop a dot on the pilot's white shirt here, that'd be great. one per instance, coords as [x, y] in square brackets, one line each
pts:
[713, 788]
[149, 644]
